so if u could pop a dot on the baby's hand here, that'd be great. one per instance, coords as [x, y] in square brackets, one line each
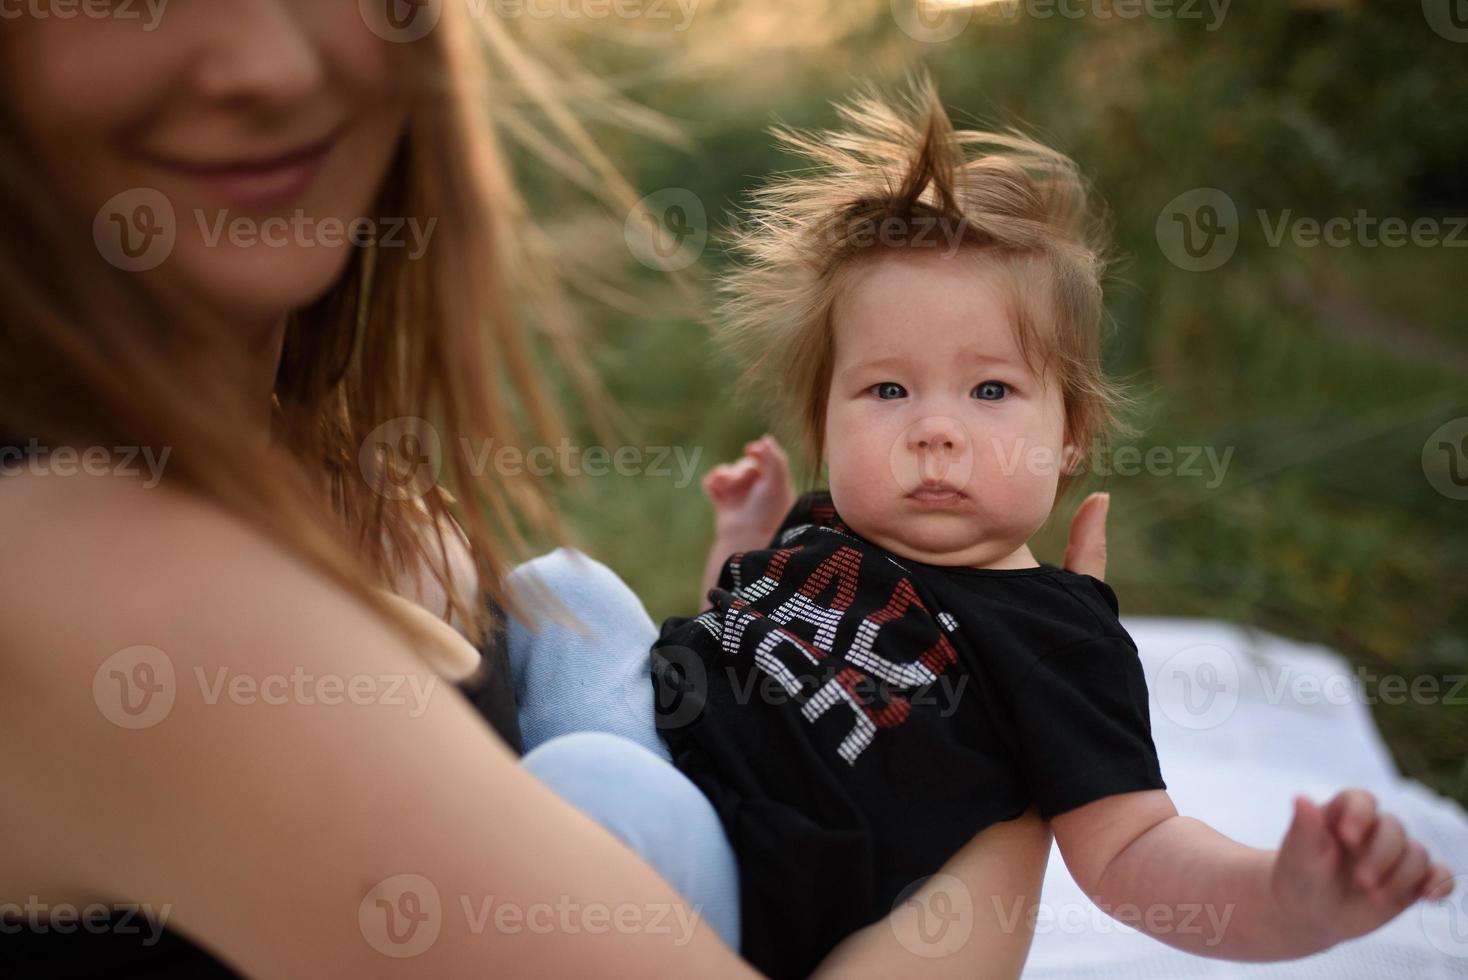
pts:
[1344, 869]
[751, 495]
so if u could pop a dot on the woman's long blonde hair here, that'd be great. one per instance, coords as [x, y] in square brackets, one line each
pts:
[437, 338]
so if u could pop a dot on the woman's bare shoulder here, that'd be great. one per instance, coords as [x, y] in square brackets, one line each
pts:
[250, 731]
[92, 556]
[112, 592]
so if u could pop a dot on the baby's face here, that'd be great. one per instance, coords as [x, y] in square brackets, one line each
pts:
[941, 444]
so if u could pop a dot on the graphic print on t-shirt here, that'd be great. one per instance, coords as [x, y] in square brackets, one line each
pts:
[841, 642]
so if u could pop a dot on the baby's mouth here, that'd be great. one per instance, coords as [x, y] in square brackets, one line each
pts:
[938, 496]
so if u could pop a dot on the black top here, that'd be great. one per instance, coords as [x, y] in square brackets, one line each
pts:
[490, 689]
[129, 944]
[856, 718]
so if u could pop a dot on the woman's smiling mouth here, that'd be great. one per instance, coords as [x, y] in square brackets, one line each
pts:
[261, 183]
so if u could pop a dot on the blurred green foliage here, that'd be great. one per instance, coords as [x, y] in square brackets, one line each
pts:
[1323, 369]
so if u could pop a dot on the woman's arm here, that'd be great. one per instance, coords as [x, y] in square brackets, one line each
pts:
[292, 836]
[973, 920]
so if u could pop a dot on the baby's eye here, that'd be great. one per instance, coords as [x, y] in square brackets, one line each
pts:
[991, 391]
[887, 390]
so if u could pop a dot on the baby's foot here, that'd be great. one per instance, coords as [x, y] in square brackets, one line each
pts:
[751, 495]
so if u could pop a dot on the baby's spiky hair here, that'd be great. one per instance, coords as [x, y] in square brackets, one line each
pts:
[900, 176]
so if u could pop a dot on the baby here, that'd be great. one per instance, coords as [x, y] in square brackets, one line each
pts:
[888, 670]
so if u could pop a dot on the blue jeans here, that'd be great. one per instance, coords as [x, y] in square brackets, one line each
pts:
[590, 733]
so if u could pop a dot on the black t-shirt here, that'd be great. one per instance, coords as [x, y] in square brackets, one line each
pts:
[856, 718]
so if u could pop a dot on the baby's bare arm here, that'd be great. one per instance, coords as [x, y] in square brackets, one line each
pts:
[1176, 878]
[1342, 871]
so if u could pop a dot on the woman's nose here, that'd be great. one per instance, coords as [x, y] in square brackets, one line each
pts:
[262, 52]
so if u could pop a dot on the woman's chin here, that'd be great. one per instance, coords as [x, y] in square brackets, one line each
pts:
[260, 280]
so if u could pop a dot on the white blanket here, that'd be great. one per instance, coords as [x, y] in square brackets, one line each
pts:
[1244, 721]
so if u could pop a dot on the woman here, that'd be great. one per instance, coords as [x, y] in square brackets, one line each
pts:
[228, 732]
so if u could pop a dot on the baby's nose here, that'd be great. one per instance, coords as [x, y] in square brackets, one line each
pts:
[932, 451]
[937, 436]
